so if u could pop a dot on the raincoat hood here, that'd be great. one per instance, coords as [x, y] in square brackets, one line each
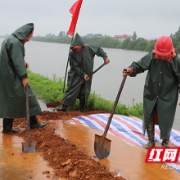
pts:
[77, 41]
[24, 31]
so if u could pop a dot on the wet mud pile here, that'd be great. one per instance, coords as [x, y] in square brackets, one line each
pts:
[65, 158]
[46, 115]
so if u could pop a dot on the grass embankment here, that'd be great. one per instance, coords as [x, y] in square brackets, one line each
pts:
[51, 90]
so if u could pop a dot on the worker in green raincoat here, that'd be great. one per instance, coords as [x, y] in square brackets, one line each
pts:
[13, 79]
[160, 90]
[81, 60]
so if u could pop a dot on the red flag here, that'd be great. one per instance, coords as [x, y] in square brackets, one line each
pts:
[75, 13]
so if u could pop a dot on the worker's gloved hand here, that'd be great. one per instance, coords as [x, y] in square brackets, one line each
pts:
[25, 82]
[26, 65]
[86, 77]
[106, 61]
[127, 72]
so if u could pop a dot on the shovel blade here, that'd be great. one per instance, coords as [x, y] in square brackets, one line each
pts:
[102, 148]
[53, 104]
[29, 147]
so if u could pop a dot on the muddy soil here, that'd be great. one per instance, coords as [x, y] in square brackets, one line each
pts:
[65, 158]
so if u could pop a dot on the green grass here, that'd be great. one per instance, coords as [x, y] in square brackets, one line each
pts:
[51, 90]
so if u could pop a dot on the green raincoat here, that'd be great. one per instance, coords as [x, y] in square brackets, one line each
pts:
[161, 87]
[12, 69]
[81, 63]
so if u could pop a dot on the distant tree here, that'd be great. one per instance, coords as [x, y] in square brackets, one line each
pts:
[125, 43]
[49, 35]
[140, 39]
[62, 34]
[97, 35]
[150, 46]
[171, 36]
[89, 34]
[178, 49]
[67, 34]
[176, 42]
[141, 45]
[132, 44]
[134, 36]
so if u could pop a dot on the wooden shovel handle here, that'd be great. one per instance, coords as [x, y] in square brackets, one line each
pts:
[114, 107]
[81, 82]
[27, 114]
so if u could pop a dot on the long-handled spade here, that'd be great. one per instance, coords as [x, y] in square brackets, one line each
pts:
[102, 145]
[29, 146]
[54, 104]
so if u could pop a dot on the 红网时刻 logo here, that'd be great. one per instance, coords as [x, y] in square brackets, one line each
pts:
[163, 155]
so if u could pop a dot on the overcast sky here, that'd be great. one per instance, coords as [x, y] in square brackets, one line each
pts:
[148, 18]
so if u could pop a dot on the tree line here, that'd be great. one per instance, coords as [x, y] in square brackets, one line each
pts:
[139, 44]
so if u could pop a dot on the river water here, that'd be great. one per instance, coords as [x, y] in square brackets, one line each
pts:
[50, 58]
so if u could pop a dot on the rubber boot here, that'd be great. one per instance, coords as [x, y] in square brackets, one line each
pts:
[63, 108]
[81, 105]
[7, 126]
[35, 124]
[150, 132]
[165, 142]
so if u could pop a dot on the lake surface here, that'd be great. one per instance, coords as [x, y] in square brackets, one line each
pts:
[51, 58]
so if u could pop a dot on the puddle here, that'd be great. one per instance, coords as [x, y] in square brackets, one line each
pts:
[15, 165]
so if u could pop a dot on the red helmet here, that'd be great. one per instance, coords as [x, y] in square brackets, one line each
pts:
[164, 46]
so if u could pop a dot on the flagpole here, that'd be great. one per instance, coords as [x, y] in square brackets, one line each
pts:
[72, 11]
[67, 63]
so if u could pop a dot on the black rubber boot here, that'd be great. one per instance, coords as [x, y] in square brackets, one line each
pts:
[165, 142]
[150, 131]
[14, 130]
[63, 108]
[35, 124]
[81, 105]
[7, 126]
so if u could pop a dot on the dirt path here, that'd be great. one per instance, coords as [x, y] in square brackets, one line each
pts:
[66, 159]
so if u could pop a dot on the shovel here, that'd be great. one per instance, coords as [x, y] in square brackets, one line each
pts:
[102, 145]
[54, 104]
[29, 146]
